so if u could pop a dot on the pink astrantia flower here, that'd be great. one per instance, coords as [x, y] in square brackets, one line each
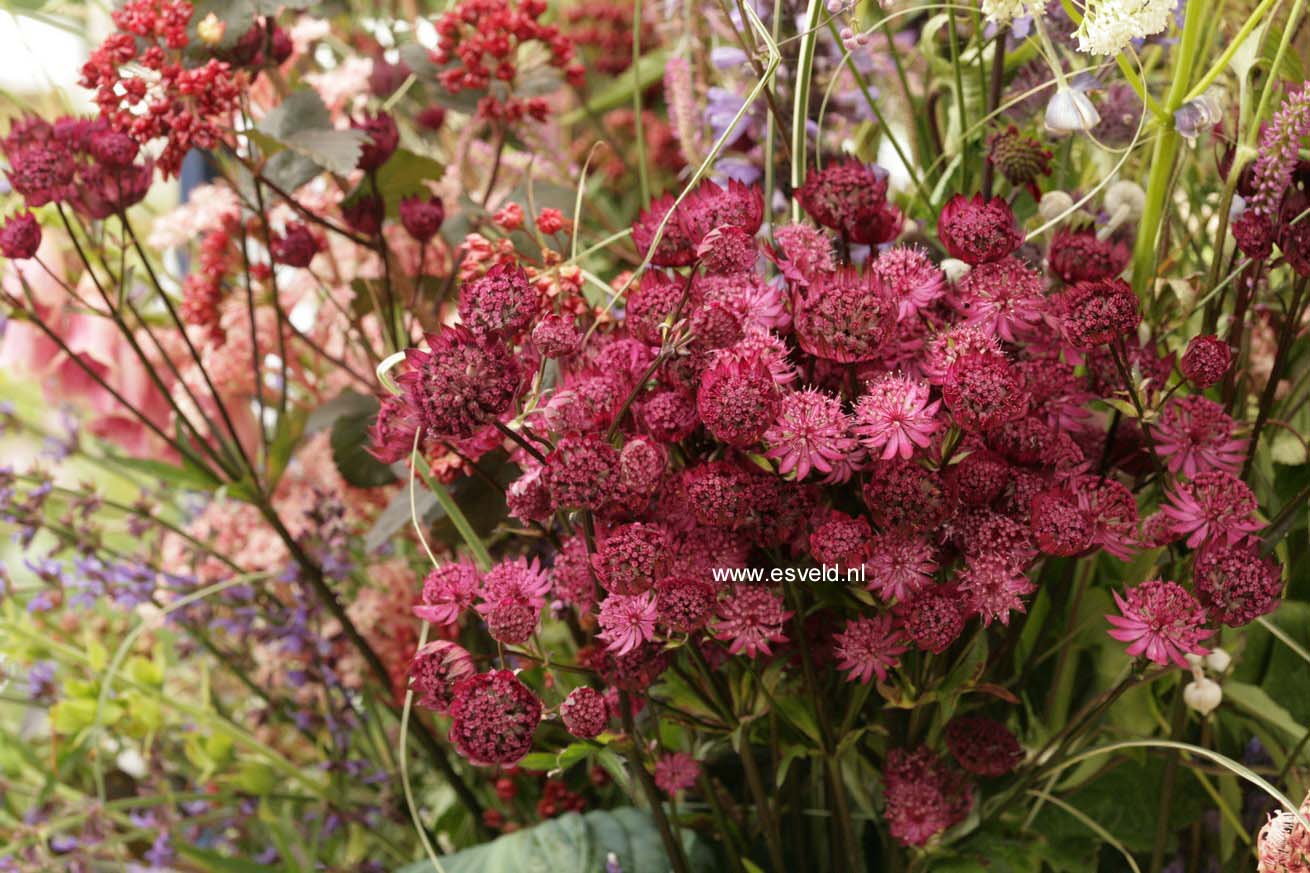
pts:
[627, 621]
[894, 416]
[1215, 506]
[448, 590]
[898, 565]
[870, 646]
[913, 279]
[750, 619]
[517, 581]
[1161, 621]
[1195, 435]
[810, 433]
[924, 795]
[676, 771]
[1003, 298]
[993, 587]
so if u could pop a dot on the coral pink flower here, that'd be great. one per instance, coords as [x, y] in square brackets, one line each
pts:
[1161, 621]
[627, 621]
[1214, 506]
[750, 619]
[811, 432]
[870, 646]
[894, 416]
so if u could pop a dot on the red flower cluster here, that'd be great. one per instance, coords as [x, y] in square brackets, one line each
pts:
[78, 161]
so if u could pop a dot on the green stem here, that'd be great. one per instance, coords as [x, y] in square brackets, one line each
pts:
[801, 104]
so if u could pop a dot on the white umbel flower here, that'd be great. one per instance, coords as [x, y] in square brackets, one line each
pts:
[1004, 11]
[1109, 26]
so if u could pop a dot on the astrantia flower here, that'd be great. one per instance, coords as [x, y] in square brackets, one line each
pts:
[676, 248]
[979, 477]
[1195, 434]
[710, 206]
[811, 432]
[898, 565]
[728, 250]
[631, 557]
[803, 253]
[1020, 159]
[977, 231]
[448, 590]
[381, 139]
[1059, 527]
[556, 336]
[364, 214]
[945, 348]
[1096, 313]
[1254, 233]
[500, 303]
[422, 217]
[296, 246]
[391, 436]
[511, 623]
[983, 746]
[845, 316]
[493, 718]
[894, 416]
[1161, 621]
[1112, 510]
[651, 305]
[460, 384]
[1215, 506]
[627, 621]
[841, 540]
[1110, 26]
[914, 281]
[683, 603]
[1003, 298]
[851, 198]
[642, 464]
[933, 619]
[758, 305]
[924, 796]
[514, 581]
[721, 494]
[1235, 584]
[993, 587]
[584, 713]
[676, 771]
[738, 400]
[905, 496]
[984, 391]
[582, 473]
[869, 646]
[20, 236]
[435, 671]
[1080, 256]
[750, 619]
[1206, 360]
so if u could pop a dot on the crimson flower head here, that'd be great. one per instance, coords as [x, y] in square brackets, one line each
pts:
[676, 248]
[584, 713]
[933, 619]
[870, 646]
[738, 400]
[556, 336]
[984, 391]
[296, 246]
[114, 149]
[1097, 313]
[1005, 298]
[895, 417]
[422, 218]
[710, 205]
[750, 619]
[431, 117]
[1079, 256]
[502, 302]
[851, 198]
[983, 746]
[1206, 360]
[1161, 621]
[582, 473]
[1059, 526]
[841, 541]
[631, 557]
[1195, 434]
[676, 772]
[627, 620]
[364, 214]
[461, 384]
[1235, 583]
[683, 604]
[1254, 233]
[448, 590]
[803, 252]
[493, 718]
[914, 280]
[811, 432]
[391, 436]
[845, 316]
[20, 236]
[381, 141]
[977, 231]
[435, 671]
[925, 796]
[1214, 506]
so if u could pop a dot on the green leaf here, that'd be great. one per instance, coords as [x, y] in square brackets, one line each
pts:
[650, 69]
[302, 124]
[1255, 702]
[404, 175]
[349, 441]
[217, 863]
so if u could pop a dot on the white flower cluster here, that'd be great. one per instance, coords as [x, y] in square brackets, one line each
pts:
[1004, 11]
[1109, 26]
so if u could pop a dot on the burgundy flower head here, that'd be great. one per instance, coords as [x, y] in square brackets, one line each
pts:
[631, 557]
[1161, 621]
[582, 473]
[1235, 583]
[364, 214]
[983, 746]
[493, 718]
[977, 231]
[461, 384]
[1079, 256]
[683, 604]
[984, 391]
[1206, 360]
[1214, 506]
[422, 217]
[738, 400]
[1097, 313]
[381, 140]
[710, 206]
[436, 670]
[905, 496]
[851, 198]
[676, 248]
[20, 236]
[811, 432]
[933, 619]
[391, 436]
[584, 713]
[448, 590]
[845, 316]
[500, 303]
[924, 795]
[870, 646]
[1059, 527]
[556, 336]
[1254, 233]
[296, 246]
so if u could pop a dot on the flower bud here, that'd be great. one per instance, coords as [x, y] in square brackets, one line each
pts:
[954, 269]
[211, 29]
[1218, 661]
[1070, 111]
[1054, 204]
[1127, 197]
[1203, 695]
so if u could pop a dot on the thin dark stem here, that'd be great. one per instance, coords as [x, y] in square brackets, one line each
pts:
[1178, 720]
[672, 847]
[520, 441]
[995, 86]
[1291, 321]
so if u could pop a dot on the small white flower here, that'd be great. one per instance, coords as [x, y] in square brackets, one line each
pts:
[954, 270]
[1203, 695]
[1218, 661]
[1110, 26]
[1054, 204]
[1070, 111]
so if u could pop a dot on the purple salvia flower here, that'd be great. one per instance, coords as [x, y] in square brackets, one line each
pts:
[1279, 147]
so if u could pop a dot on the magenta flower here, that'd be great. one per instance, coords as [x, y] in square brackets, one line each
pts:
[811, 432]
[1215, 506]
[676, 771]
[924, 795]
[1004, 298]
[1160, 620]
[750, 619]
[899, 565]
[977, 231]
[627, 621]
[870, 646]
[517, 581]
[913, 279]
[1206, 360]
[993, 587]
[894, 417]
[448, 590]
[1195, 435]
[493, 718]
